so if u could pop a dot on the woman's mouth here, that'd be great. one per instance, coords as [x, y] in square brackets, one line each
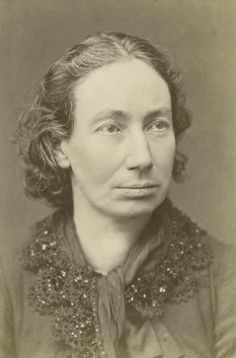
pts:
[138, 191]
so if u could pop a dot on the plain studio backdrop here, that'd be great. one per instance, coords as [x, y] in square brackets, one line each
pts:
[201, 37]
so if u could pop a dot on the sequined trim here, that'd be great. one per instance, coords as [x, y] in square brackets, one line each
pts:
[68, 292]
[174, 279]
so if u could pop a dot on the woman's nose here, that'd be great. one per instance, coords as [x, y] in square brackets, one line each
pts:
[138, 154]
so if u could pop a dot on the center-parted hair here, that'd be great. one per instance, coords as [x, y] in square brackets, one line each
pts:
[50, 118]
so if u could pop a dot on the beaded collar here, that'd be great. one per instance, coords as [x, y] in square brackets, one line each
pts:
[67, 292]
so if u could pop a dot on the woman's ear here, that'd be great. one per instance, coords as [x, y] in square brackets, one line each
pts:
[61, 156]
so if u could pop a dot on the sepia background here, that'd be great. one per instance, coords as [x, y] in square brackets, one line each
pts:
[201, 36]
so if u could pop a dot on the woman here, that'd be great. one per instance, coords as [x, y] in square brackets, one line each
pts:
[116, 271]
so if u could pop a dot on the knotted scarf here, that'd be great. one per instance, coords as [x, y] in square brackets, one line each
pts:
[111, 288]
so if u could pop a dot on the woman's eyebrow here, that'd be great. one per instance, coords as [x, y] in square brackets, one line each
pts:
[121, 115]
[110, 113]
[158, 112]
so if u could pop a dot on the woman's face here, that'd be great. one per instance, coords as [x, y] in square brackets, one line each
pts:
[122, 146]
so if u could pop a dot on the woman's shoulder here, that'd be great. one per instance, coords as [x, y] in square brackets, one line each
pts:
[12, 251]
[223, 256]
[213, 265]
[223, 296]
[221, 253]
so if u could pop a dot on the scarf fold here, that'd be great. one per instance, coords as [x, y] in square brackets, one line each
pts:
[111, 310]
[111, 288]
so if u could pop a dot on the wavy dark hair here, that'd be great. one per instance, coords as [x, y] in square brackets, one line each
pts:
[50, 117]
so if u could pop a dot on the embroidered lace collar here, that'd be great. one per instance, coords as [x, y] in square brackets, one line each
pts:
[68, 292]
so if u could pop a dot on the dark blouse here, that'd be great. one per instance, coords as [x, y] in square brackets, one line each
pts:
[174, 297]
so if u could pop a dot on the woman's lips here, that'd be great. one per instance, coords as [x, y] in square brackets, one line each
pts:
[138, 191]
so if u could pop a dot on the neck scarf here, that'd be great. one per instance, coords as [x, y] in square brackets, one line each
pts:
[111, 287]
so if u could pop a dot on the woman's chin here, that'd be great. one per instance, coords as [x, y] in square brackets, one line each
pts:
[135, 208]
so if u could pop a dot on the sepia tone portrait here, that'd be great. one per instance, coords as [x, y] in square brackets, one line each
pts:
[118, 179]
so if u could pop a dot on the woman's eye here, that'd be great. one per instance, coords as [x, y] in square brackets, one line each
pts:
[109, 129]
[159, 126]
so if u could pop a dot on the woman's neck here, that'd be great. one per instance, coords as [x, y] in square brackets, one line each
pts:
[105, 241]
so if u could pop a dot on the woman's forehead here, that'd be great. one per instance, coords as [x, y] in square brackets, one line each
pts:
[123, 85]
